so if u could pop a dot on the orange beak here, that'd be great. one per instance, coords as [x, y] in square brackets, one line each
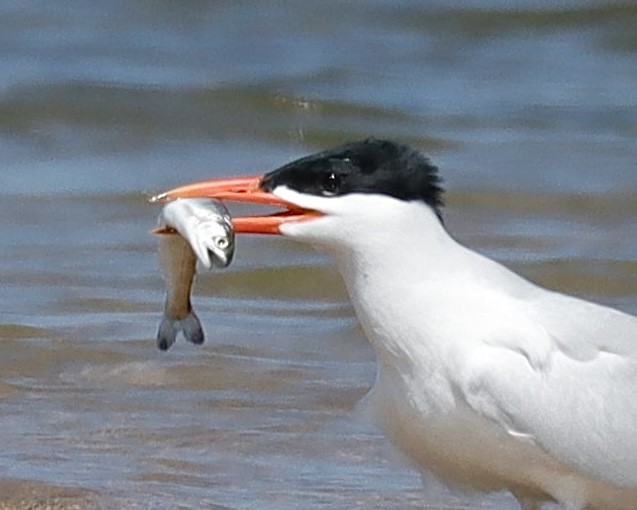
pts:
[242, 189]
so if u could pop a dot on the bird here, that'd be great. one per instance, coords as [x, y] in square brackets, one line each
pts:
[485, 380]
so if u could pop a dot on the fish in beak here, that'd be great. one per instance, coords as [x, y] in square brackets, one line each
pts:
[189, 230]
[247, 190]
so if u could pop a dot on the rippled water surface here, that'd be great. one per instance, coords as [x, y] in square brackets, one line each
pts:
[531, 114]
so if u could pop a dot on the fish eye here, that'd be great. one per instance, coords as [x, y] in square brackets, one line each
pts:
[221, 242]
[331, 184]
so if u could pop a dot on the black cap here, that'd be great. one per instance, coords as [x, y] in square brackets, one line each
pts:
[368, 166]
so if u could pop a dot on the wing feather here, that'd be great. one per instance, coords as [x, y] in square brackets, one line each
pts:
[580, 403]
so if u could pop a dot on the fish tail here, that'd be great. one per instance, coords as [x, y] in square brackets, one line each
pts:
[192, 329]
[170, 328]
[167, 333]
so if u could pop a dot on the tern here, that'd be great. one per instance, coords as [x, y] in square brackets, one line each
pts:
[484, 379]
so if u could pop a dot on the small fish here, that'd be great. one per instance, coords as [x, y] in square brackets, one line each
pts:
[189, 229]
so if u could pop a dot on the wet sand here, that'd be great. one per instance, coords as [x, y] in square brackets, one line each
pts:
[28, 495]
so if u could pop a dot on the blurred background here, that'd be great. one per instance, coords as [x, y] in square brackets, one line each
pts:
[529, 109]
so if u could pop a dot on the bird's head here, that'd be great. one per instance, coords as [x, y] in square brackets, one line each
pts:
[332, 195]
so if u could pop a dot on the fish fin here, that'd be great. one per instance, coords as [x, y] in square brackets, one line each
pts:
[170, 328]
[159, 231]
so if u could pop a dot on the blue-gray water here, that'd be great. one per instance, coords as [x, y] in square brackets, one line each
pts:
[530, 112]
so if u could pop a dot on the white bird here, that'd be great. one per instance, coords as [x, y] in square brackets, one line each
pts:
[484, 379]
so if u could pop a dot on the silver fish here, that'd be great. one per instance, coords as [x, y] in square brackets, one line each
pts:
[189, 229]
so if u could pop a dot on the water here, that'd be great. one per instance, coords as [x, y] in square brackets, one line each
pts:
[531, 113]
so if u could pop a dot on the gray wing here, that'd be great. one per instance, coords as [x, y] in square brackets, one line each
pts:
[580, 403]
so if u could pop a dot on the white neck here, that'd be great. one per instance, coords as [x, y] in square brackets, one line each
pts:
[407, 278]
[388, 272]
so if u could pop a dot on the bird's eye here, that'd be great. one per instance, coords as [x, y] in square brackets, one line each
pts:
[331, 184]
[221, 242]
